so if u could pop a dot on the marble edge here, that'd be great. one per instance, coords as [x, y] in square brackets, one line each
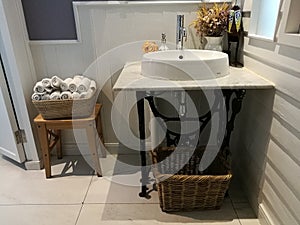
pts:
[142, 83]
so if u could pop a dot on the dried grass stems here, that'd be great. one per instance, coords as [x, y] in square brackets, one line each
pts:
[211, 21]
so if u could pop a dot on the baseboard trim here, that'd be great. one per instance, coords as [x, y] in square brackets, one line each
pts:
[263, 216]
[34, 165]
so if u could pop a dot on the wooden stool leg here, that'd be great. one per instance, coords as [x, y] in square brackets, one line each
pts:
[43, 136]
[58, 144]
[91, 135]
[100, 133]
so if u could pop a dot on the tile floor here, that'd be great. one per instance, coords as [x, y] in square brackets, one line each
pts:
[74, 196]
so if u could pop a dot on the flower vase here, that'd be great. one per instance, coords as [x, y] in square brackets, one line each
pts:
[214, 43]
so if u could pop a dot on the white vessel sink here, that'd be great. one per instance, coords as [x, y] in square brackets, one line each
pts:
[188, 64]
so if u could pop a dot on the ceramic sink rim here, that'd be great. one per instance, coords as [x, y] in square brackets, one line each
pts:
[169, 55]
[186, 64]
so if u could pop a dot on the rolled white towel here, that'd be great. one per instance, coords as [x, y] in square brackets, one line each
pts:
[75, 95]
[49, 89]
[83, 95]
[66, 95]
[36, 96]
[84, 85]
[46, 82]
[56, 81]
[73, 85]
[39, 87]
[93, 85]
[64, 86]
[78, 76]
[45, 97]
[55, 95]
[86, 94]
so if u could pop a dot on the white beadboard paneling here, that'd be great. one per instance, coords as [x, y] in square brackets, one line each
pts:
[64, 61]
[287, 111]
[279, 207]
[70, 60]
[286, 139]
[289, 51]
[266, 214]
[272, 56]
[131, 51]
[51, 59]
[284, 82]
[286, 195]
[99, 70]
[39, 61]
[285, 166]
[88, 38]
[168, 24]
[151, 29]
[120, 26]
[100, 24]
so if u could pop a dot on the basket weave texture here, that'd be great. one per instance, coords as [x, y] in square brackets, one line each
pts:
[64, 109]
[189, 189]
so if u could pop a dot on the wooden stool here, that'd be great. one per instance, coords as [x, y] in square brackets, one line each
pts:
[49, 132]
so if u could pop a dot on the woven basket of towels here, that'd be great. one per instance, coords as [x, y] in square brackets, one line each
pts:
[56, 98]
[182, 186]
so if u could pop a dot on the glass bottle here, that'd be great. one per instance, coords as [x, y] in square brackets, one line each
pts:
[163, 46]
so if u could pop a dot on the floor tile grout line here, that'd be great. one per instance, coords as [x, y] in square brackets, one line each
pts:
[86, 193]
[121, 203]
[80, 210]
[234, 209]
[40, 204]
[82, 203]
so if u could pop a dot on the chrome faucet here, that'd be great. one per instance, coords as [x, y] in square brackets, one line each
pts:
[180, 32]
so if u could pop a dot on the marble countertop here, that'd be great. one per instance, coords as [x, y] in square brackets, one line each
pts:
[131, 79]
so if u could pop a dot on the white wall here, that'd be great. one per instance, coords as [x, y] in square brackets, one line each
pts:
[114, 33]
[270, 170]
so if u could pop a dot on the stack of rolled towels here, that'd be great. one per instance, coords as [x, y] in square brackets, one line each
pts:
[55, 88]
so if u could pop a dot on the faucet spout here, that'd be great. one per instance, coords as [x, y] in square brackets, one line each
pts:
[180, 32]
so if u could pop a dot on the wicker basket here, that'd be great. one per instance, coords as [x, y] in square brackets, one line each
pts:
[63, 109]
[188, 189]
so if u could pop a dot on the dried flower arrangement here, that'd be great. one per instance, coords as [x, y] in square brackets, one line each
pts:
[149, 46]
[211, 21]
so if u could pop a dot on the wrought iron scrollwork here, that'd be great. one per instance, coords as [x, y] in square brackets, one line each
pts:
[229, 100]
[236, 97]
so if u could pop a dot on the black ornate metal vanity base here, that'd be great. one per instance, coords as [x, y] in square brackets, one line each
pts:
[141, 116]
[229, 100]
